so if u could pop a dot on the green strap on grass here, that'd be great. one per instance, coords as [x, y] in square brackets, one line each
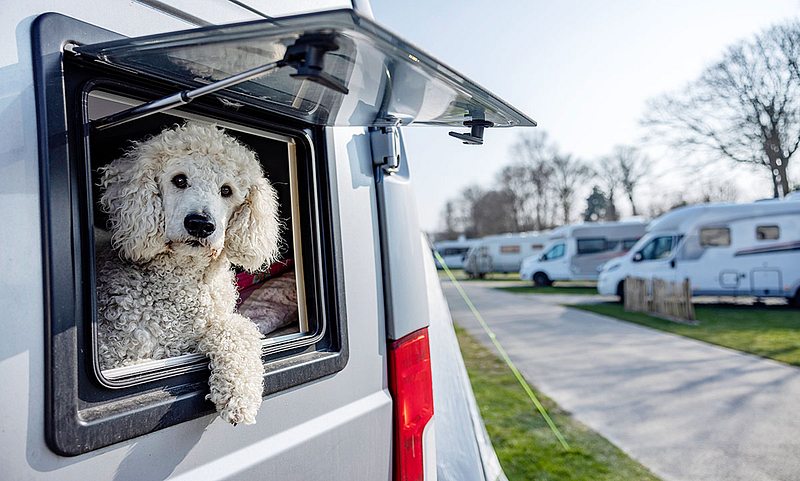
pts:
[525, 386]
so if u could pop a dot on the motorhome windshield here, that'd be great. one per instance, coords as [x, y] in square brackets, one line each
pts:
[554, 253]
[657, 248]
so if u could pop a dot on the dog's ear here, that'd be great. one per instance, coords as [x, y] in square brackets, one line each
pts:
[252, 238]
[132, 199]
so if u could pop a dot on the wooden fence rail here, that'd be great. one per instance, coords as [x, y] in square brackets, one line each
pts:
[670, 300]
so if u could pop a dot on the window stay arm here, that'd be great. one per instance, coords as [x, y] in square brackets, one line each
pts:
[305, 55]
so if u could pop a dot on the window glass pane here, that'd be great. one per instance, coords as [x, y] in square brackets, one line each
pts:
[591, 246]
[768, 232]
[658, 248]
[509, 249]
[537, 247]
[715, 237]
[628, 243]
[367, 59]
[555, 252]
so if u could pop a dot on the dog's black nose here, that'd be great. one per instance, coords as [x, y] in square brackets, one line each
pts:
[198, 225]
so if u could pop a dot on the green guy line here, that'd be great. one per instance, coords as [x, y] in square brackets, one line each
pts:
[525, 386]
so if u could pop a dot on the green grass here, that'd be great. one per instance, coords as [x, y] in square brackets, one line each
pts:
[526, 447]
[767, 331]
[556, 288]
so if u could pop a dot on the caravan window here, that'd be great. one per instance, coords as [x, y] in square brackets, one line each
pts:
[715, 237]
[592, 246]
[510, 249]
[295, 302]
[627, 244]
[768, 232]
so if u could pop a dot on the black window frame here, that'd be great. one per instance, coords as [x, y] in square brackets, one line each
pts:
[582, 252]
[761, 237]
[81, 413]
[627, 244]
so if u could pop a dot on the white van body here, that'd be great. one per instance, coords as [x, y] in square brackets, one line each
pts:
[576, 251]
[502, 253]
[723, 249]
[328, 409]
[454, 252]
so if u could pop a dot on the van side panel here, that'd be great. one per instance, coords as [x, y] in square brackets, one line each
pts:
[319, 430]
[402, 253]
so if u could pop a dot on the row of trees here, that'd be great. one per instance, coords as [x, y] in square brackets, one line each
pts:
[538, 190]
[745, 108]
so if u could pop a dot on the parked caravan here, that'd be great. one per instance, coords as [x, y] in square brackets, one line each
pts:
[576, 251]
[723, 249]
[454, 252]
[357, 345]
[502, 253]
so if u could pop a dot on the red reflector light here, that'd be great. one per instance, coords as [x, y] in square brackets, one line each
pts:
[412, 393]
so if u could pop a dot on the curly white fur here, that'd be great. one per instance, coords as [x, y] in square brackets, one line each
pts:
[163, 292]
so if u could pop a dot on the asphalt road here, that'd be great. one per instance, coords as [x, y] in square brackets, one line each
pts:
[685, 409]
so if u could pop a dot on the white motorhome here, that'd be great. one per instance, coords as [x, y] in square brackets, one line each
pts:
[502, 253]
[454, 252]
[723, 249]
[321, 97]
[576, 251]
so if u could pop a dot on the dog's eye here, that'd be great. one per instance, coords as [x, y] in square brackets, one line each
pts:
[180, 181]
[225, 191]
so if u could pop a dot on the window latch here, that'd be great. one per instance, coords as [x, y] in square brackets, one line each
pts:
[385, 143]
[305, 55]
[477, 124]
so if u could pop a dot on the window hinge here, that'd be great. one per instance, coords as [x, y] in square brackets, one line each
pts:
[385, 148]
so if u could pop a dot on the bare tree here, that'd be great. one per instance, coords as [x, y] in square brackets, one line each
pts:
[493, 213]
[515, 178]
[535, 153]
[632, 167]
[745, 108]
[722, 191]
[568, 174]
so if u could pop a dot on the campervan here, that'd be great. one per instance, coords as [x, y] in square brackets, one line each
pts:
[355, 377]
[723, 249]
[502, 253]
[575, 252]
[453, 252]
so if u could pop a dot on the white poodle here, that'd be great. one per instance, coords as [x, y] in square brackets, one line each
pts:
[183, 206]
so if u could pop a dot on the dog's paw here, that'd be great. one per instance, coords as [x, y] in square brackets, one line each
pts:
[238, 412]
[237, 409]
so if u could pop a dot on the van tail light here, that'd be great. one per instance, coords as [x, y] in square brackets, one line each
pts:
[412, 393]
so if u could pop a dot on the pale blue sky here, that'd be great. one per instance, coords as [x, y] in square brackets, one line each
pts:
[582, 69]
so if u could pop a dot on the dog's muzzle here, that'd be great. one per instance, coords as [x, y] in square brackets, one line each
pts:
[198, 225]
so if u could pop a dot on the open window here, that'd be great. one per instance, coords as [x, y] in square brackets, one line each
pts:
[274, 85]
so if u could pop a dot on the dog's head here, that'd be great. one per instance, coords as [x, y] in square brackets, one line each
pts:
[192, 190]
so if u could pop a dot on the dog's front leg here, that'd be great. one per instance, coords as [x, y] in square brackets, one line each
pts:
[233, 345]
